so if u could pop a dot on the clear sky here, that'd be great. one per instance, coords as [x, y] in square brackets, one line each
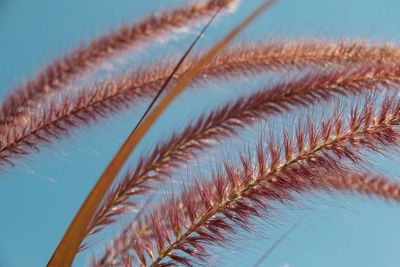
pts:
[40, 195]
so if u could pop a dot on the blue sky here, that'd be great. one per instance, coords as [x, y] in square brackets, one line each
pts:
[39, 196]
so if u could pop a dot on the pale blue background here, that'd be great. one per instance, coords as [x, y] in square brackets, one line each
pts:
[41, 194]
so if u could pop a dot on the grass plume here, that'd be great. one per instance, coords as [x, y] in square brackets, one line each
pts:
[226, 121]
[77, 62]
[363, 183]
[29, 130]
[208, 210]
[242, 59]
